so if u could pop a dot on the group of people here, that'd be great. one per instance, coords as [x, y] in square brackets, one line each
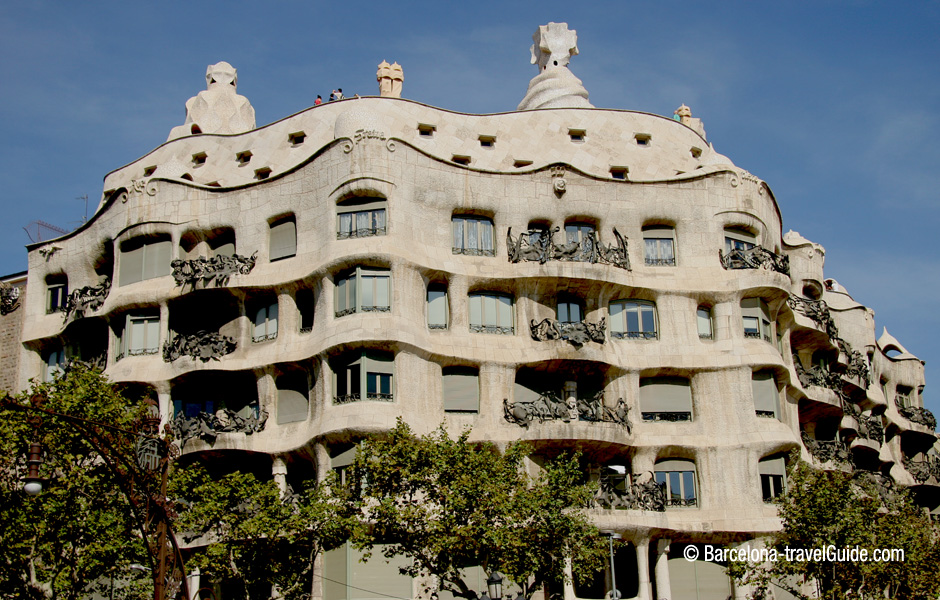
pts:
[334, 95]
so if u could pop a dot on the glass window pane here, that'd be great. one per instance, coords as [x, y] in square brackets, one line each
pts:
[489, 310]
[380, 220]
[563, 312]
[153, 333]
[571, 233]
[381, 291]
[666, 250]
[651, 249]
[486, 234]
[458, 233]
[355, 385]
[633, 320]
[660, 477]
[272, 319]
[368, 289]
[345, 223]
[476, 310]
[617, 318]
[675, 485]
[341, 295]
[688, 482]
[386, 384]
[649, 321]
[505, 311]
[351, 303]
[472, 242]
[751, 325]
[372, 383]
[363, 221]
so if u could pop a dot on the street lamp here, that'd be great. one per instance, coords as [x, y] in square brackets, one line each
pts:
[494, 584]
[33, 484]
[612, 535]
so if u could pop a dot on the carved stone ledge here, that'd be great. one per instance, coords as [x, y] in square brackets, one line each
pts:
[550, 406]
[202, 345]
[207, 427]
[755, 258]
[578, 333]
[218, 269]
[538, 245]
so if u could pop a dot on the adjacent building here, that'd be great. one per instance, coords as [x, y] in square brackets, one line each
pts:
[576, 277]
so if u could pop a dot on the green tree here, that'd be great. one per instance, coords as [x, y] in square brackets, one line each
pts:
[832, 508]
[79, 534]
[448, 504]
[250, 537]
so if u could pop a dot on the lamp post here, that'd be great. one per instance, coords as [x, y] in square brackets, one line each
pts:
[611, 536]
[134, 458]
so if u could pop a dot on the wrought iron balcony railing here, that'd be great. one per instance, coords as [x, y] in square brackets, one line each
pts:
[670, 416]
[538, 245]
[208, 426]
[638, 496]
[492, 329]
[202, 345]
[659, 262]
[550, 406]
[578, 333]
[475, 251]
[350, 398]
[755, 258]
[634, 335]
[766, 414]
[257, 339]
[827, 450]
[685, 502]
[87, 298]
[218, 269]
[360, 233]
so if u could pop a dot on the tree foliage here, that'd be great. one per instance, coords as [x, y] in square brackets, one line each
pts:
[79, 533]
[832, 508]
[448, 504]
[252, 538]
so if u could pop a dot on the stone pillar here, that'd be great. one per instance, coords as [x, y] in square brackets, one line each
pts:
[192, 581]
[279, 471]
[569, 583]
[662, 570]
[643, 569]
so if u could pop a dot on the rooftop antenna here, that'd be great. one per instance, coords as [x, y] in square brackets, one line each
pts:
[85, 198]
[39, 231]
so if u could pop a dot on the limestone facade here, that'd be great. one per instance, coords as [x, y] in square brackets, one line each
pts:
[226, 285]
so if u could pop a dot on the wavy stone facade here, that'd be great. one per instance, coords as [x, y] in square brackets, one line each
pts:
[685, 370]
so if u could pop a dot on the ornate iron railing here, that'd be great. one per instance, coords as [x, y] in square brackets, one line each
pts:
[475, 251]
[207, 426]
[550, 406]
[921, 416]
[217, 268]
[350, 398]
[634, 335]
[671, 416]
[87, 298]
[827, 450]
[360, 233]
[202, 345]
[142, 351]
[380, 396]
[752, 335]
[257, 339]
[659, 262]
[923, 470]
[766, 414]
[755, 258]
[437, 326]
[376, 309]
[538, 245]
[492, 329]
[817, 311]
[681, 502]
[638, 496]
[706, 336]
[306, 329]
[578, 333]
[344, 312]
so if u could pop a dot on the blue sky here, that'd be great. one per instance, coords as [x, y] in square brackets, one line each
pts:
[834, 104]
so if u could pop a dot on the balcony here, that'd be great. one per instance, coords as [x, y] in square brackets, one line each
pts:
[538, 245]
[638, 496]
[207, 427]
[550, 406]
[825, 451]
[87, 298]
[755, 258]
[217, 269]
[915, 414]
[817, 311]
[202, 345]
[577, 333]
[925, 471]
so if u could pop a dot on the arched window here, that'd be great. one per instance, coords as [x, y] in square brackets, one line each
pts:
[756, 319]
[569, 310]
[360, 217]
[365, 375]
[473, 235]
[633, 319]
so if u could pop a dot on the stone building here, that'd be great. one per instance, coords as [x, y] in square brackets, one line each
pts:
[572, 276]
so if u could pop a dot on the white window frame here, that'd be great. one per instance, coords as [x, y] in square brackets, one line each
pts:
[473, 235]
[659, 246]
[492, 312]
[127, 342]
[669, 473]
[350, 291]
[150, 266]
[438, 304]
[737, 238]
[265, 323]
[57, 295]
[361, 217]
[373, 371]
[619, 311]
[755, 315]
[703, 319]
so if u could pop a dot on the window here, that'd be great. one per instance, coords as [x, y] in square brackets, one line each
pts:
[738, 239]
[243, 157]
[519, 163]
[756, 318]
[634, 319]
[902, 396]
[643, 139]
[665, 399]
[306, 305]
[265, 323]
[262, 173]
[54, 364]
[460, 387]
[577, 135]
[223, 244]
[292, 399]
[296, 138]
[364, 376]
[695, 152]
[57, 293]
[569, 310]
[437, 306]
[360, 217]
[583, 234]
[659, 243]
[145, 258]
[473, 236]
[282, 239]
[766, 398]
[619, 172]
[461, 159]
[679, 478]
[772, 477]
[363, 289]
[703, 316]
[426, 130]
[487, 141]
[491, 313]
[140, 335]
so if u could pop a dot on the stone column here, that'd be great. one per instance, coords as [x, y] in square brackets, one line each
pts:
[662, 570]
[643, 569]
[192, 581]
[279, 471]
